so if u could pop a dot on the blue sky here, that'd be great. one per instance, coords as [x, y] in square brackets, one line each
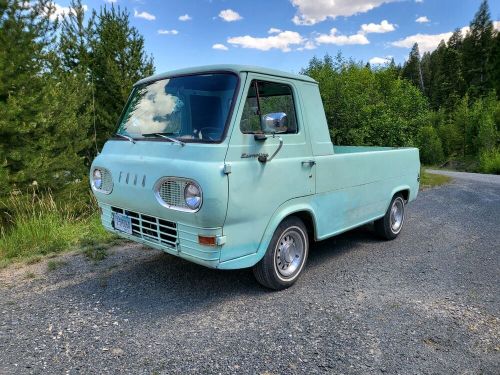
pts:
[286, 34]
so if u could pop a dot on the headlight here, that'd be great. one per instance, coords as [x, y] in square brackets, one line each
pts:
[97, 178]
[101, 180]
[192, 196]
[177, 193]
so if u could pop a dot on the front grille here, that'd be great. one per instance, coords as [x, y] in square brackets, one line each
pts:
[171, 192]
[151, 228]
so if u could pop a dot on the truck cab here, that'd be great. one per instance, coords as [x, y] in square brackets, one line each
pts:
[233, 167]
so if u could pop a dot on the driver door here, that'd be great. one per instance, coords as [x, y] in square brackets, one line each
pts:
[256, 188]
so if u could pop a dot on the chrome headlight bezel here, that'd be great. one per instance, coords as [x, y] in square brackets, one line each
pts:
[98, 182]
[164, 186]
[192, 195]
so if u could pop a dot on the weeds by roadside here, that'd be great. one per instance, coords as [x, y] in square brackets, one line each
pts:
[53, 265]
[35, 225]
[428, 180]
[93, 250]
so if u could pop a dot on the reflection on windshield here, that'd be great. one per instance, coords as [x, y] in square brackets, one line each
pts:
[155, 112]
[189, 108]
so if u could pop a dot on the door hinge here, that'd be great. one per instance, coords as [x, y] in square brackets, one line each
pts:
[220, 240]
[227, 168]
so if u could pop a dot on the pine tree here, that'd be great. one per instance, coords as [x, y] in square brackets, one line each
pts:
[453, 69]
[439, 85]
[118, 60]
[477, 48]
[425, 63]
[495, 63]
[412, 69]
[75, 68]
[41, 140]
[74, 41]
[25, 36]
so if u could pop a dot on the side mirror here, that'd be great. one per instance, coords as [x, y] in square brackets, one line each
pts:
[274, 123]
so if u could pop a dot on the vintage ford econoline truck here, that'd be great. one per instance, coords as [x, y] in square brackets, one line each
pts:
[232, 166]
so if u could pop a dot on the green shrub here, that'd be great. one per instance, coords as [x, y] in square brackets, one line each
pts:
[431, 149]
[489, 161]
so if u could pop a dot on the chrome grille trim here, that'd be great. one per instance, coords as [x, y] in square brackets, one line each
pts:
[169, 192]
[150, 228]
[107, 181]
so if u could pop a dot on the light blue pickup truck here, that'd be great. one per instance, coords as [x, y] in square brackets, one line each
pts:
[232, 166]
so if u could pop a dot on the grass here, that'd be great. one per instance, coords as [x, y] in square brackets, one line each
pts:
[36, 225]
[95, 251]
[53, 265]
[428, 180]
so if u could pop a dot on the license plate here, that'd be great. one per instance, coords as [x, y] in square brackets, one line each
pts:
[123, 223]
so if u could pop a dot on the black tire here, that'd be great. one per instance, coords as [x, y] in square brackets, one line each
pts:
[385, 226]
[282, 250]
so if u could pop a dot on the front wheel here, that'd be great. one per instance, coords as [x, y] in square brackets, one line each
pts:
[285, 257]
[389, 226]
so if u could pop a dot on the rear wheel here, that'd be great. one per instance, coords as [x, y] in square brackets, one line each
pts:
[285, 257]
[389, 226]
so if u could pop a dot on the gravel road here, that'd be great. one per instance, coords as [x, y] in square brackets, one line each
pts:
[426, 303]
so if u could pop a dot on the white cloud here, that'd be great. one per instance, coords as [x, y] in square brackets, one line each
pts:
[310, 12]
[273, 30]
[379, 61]
[419, 1]
[229, 15]
[308, 45]
[379, 28]
[168, 32]
[429, 42]
[426, 42]
[422, 19]
[341, 40]
[283, 41]
[185, 17]
[220, 47]
[145, 15]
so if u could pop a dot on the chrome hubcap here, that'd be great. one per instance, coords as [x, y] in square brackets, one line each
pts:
[397, 215]
[290, 253]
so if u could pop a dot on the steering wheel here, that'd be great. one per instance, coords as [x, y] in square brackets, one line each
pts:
[209, 132]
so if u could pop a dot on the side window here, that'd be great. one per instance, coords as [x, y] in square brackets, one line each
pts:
[265, 98]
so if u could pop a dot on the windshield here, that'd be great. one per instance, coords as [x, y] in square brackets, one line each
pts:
[187, 108]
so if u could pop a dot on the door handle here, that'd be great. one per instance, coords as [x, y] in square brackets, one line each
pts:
[308, 163]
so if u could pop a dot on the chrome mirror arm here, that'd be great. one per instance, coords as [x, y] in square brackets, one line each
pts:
[265, 158]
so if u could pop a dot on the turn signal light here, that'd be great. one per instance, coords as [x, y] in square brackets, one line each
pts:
[206, 240]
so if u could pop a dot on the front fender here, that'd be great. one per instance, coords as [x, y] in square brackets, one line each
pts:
[288, 208]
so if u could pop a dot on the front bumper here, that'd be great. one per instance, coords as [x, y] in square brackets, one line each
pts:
[171, 237]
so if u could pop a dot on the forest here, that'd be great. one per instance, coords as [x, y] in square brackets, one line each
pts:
[445, 102]
[64, 82]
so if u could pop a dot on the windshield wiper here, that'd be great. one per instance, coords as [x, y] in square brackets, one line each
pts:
[164, 135]
[128, 138]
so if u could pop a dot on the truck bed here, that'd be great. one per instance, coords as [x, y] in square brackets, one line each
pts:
[362, 149]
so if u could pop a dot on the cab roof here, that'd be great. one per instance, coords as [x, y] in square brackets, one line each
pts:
[227, 68]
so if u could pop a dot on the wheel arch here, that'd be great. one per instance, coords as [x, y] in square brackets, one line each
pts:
[299, 207]
[301, 210]
[404, 190]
